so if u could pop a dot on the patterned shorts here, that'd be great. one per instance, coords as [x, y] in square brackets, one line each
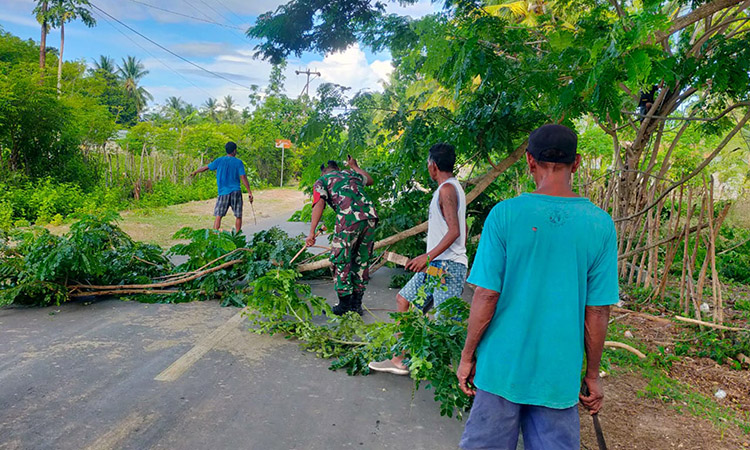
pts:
[451, 285]
[233, 199]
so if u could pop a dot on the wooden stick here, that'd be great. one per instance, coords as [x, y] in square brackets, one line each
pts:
[304, 247]
[662, 320]
[615, 344]
[124, 291]
[156, 285]
[709, 324]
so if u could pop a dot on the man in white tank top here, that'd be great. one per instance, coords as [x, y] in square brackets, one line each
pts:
[445, 261]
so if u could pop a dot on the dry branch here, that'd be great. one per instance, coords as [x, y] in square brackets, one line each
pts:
[125, 292]
[709, 324]
[78, 287]
[615, 344]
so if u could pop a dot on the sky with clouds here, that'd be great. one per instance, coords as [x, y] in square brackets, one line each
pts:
[224, 50]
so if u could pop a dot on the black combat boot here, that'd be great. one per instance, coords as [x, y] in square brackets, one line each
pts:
[344, 305]
[356, 304]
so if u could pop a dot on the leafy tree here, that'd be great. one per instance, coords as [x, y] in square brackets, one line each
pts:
[276, 79]
[645, 73]
[132, 71]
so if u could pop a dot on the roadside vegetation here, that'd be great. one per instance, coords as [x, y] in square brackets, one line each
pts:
[658, 91]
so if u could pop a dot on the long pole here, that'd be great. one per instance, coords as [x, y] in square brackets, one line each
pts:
[282, 165]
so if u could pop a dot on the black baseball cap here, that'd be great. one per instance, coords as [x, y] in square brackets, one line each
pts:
[553, 143]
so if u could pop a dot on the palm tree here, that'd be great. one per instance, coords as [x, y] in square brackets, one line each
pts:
[131, 71]
[175, 103]
[59, 12]
[41, 13]
[228, 105]
[210, 108]
[105, 64]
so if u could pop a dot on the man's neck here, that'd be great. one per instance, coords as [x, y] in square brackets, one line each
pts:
[443, 176]
[555, 184]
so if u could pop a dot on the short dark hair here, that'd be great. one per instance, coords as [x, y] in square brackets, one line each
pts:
[444, 156]
[230, 147]
[333, 165]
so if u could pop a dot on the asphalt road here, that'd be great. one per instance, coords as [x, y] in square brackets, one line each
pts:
[81, 376]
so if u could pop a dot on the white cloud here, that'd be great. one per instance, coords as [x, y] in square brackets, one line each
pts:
[350, 68]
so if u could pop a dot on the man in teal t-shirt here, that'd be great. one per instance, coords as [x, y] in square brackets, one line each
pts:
[230, 170]
[546, 273]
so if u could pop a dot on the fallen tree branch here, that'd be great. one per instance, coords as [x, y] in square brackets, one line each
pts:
[709, 324]
[646, 316]
[615, 344]
[125, 292]
[78, 287]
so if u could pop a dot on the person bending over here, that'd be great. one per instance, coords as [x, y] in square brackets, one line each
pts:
[353, 237]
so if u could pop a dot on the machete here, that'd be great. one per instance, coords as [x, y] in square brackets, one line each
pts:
[595, 418]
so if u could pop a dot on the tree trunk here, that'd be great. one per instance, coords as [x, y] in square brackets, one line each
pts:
[60, 60]
[43, 41]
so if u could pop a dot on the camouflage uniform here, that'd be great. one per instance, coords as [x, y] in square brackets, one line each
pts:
[353, 237]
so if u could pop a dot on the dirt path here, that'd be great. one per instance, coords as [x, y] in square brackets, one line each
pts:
[631, 421]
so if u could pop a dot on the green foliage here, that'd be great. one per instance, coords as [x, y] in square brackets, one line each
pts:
[38, 268]
[305, 215]
[715, 345]
[399, 280]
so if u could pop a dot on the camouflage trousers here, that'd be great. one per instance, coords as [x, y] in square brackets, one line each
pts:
[351, 251]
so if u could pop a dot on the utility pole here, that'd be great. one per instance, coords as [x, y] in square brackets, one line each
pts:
[306, 89]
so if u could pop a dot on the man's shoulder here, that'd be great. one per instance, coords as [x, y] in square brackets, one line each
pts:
[595, 213]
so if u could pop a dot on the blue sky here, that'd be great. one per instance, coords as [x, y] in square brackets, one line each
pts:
[221, 49]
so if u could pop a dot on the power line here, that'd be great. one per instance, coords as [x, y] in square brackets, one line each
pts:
[196, 8]
[186, 15]
[208, 5]
[227, 8]
[234, 29]
[154, 56]
[170, 51]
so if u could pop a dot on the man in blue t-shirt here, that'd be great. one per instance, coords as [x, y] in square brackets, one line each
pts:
[546, 273]
[230, 170]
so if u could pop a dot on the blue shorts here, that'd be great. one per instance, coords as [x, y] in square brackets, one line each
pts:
[449, 286]
[494, 423]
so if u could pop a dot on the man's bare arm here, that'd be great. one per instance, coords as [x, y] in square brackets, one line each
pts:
[448, 200]
[482, 311]
[199, 170]
[243, 178]
[352, 163]
[595, 332]
[317, 213]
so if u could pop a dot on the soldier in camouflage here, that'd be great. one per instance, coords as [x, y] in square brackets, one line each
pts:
[353, 237]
